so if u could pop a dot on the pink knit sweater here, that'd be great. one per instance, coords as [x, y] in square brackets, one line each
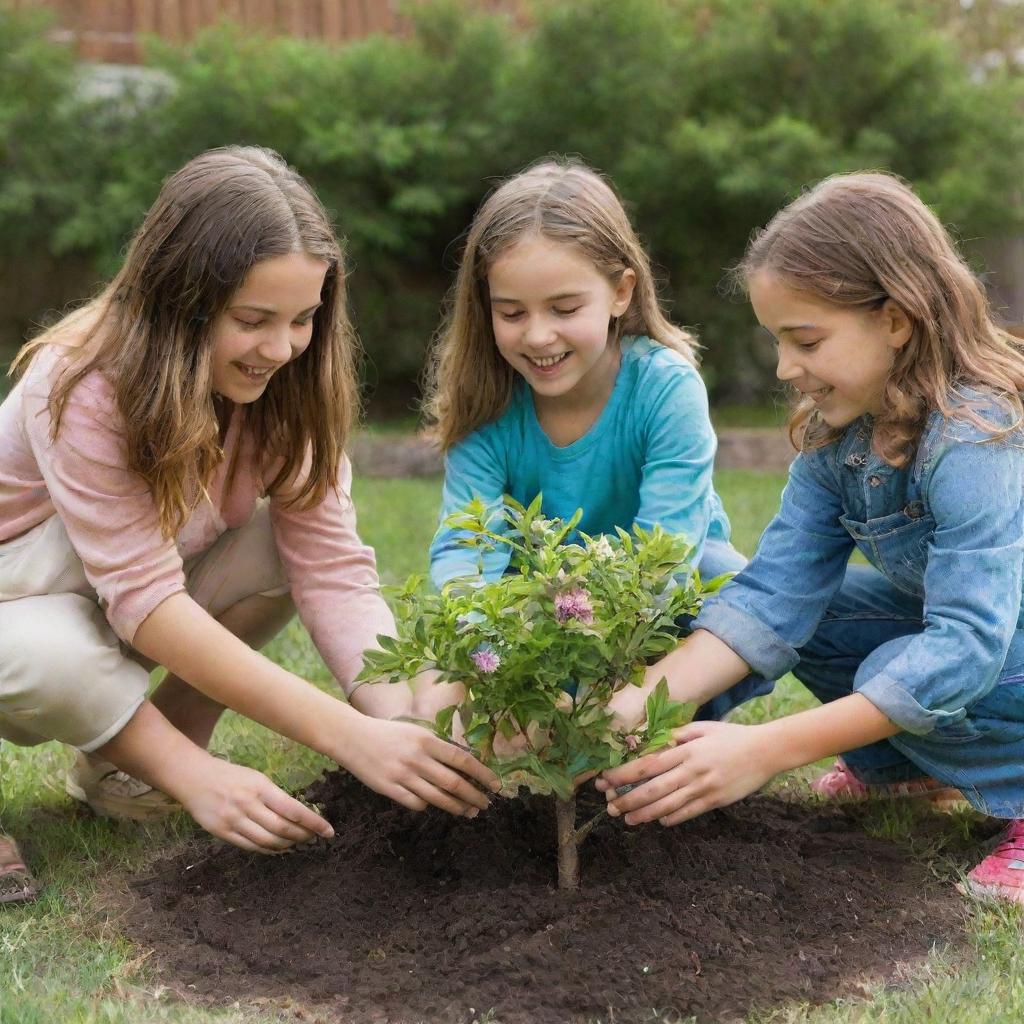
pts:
[112, 520]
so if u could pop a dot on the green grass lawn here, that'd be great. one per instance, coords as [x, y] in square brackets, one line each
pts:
[62, 959]
[744, 417]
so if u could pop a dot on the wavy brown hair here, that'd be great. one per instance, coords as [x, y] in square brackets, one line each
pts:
[856, 240]
[468, 383]
[150, 333]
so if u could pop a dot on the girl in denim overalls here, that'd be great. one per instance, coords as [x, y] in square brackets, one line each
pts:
[912, 451]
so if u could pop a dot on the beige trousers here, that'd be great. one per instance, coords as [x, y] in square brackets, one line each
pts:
[64, 674]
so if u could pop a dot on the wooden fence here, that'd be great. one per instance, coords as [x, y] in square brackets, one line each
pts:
[112, 30]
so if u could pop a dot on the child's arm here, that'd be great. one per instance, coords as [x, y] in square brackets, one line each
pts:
[336, 590]
[112, 522]
[234, 803]
[676, 489]
[919, 683]
[420, 700]
[399, 760]
[716, 763]
[759, 619]
[697, 670]
[474, 468]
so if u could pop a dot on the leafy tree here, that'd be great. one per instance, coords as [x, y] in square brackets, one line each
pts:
[989, 33]
[716, 112]
[708, 114]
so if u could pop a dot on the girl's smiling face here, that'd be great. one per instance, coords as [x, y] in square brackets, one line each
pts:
[838, 356]
[551, 310]
[267, 323]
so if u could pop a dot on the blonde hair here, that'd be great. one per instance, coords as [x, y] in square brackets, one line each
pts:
[468, 382]
[150, 333]
[856, 240]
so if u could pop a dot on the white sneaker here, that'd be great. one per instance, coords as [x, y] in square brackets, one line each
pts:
[112, 793]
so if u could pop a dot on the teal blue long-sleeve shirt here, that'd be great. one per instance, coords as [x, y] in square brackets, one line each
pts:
[647, 460]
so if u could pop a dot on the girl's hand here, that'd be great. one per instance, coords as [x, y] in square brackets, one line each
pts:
[629, 706]
[431, 695]
[415, 768]
[382, 700]
[245, 808]
[712, 764]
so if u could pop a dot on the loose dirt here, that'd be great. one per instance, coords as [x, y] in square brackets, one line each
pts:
[427, 918]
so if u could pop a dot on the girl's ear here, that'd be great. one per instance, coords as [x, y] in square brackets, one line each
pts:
[898, 326]
[624, 292]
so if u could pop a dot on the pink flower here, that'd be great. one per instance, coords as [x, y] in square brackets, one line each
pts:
[632, 742]
[486, 659]
[574, 604]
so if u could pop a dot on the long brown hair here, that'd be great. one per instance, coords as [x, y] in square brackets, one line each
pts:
[855, 240]
[150, 331]
[468, 382]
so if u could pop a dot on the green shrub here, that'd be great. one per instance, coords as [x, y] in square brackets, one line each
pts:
[542, 650]
[709, 114]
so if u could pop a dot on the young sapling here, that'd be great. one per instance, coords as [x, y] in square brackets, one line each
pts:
[541, 650]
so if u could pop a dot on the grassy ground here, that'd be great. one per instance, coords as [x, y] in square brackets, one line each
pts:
[62, 959]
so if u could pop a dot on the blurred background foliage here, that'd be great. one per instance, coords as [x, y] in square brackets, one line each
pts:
[708, 115]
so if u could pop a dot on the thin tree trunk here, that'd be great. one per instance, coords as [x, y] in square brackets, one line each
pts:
[568, 851]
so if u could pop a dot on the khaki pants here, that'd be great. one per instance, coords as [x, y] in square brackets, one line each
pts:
[64, 674]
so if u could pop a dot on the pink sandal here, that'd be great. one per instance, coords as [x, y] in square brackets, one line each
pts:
[841, 785]
[1001, 874]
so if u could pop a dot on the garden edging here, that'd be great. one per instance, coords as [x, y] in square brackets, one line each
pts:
[414, 455]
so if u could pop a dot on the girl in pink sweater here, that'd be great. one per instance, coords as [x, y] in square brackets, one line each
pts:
[173, 487]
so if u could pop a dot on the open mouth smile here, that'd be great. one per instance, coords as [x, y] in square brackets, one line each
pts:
[256, 374]
[548, 361]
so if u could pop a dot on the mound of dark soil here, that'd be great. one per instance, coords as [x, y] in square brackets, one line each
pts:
[408, 918]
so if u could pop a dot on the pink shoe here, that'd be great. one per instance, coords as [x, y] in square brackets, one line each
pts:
[1001, 874]
[841, 785]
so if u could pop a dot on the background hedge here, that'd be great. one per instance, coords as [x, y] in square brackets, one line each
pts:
[708, 114]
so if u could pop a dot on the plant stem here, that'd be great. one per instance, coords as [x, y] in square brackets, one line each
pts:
[584, 830]
[568, 852]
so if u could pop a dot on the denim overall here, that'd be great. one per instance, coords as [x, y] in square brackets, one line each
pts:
[931, 632]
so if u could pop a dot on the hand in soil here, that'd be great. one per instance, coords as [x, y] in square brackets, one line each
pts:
[415, 768]
[243, 807]
[711, 765]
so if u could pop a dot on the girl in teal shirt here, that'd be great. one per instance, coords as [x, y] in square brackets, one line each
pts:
[558, 374]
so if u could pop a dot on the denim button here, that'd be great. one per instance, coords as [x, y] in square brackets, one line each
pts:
[874, 480]
[856, 459]
[914, 510]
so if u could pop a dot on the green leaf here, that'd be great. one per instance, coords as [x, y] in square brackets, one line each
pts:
[663, 714]
[443, 721]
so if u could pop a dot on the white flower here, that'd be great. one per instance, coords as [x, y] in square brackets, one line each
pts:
[601, 548]
[540, 526]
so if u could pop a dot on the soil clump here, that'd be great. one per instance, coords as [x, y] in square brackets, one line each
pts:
[408, 918]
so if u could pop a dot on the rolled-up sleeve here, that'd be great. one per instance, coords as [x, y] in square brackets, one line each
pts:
[333, 578]
[107, 510]
[772, 608]
[972, 590]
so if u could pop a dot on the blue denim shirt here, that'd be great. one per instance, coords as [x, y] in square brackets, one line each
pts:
[948, 528]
